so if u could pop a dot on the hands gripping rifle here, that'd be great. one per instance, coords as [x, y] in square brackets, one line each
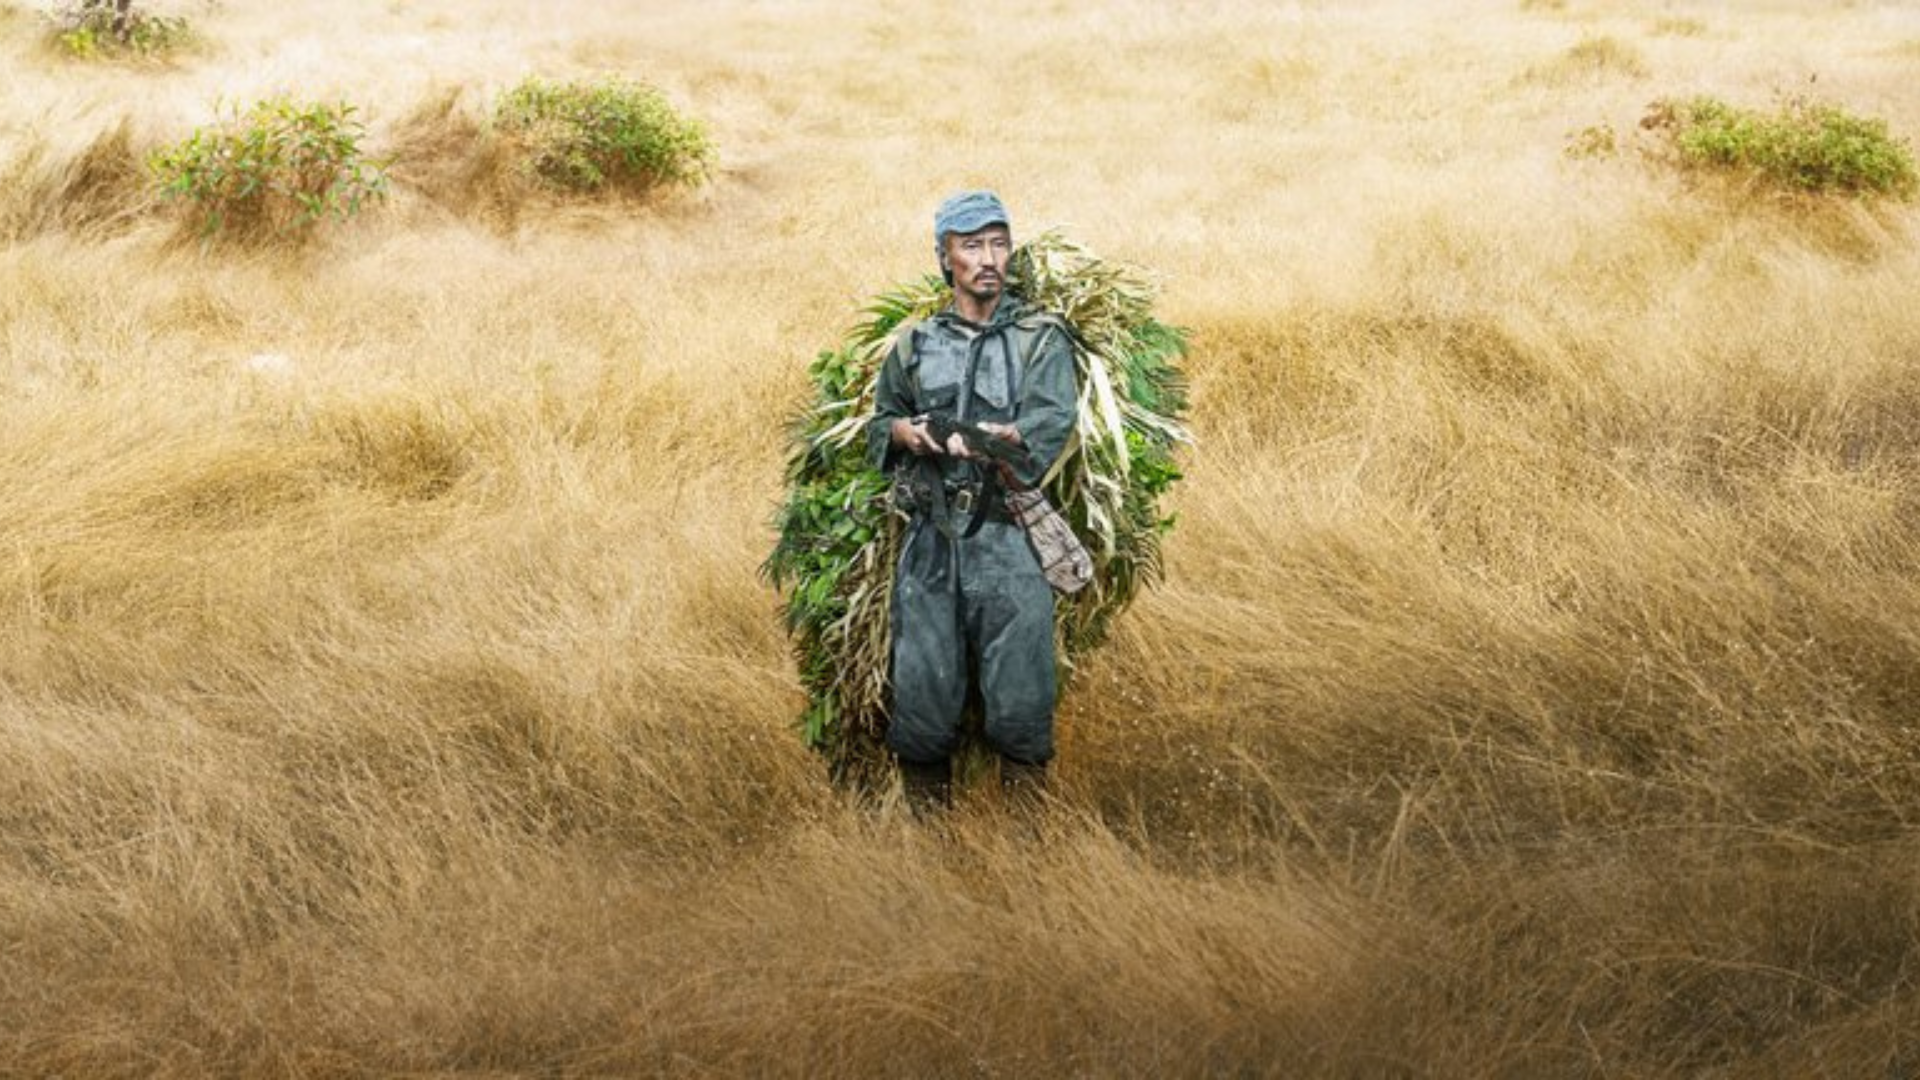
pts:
[1000, 456]
[1063, 558]
[979, 442]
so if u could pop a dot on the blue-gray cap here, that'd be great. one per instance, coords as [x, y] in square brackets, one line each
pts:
[967, 212]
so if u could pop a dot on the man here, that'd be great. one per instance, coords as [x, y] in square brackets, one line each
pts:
[971, 608]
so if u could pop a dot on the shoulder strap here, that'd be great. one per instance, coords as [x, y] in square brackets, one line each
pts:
[903, 340]
[1037, 326]
[1041, 324]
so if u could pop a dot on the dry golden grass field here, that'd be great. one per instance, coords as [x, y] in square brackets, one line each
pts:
[386, 687]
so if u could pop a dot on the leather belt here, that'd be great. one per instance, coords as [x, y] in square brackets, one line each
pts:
[963, 501]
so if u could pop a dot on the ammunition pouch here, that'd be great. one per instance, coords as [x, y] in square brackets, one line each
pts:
[1063, 558]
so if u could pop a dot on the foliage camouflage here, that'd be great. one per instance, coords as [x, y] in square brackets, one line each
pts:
[838, 536]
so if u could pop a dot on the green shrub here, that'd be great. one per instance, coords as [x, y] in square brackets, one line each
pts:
[1804, 146]
[583, 136]
[97, 29]
[278, 167]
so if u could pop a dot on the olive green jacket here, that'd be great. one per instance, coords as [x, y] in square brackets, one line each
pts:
[1021, 365]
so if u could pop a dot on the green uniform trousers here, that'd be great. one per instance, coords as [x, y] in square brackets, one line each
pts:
[967, 609]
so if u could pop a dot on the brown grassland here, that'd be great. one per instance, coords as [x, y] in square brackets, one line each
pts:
[386, 687]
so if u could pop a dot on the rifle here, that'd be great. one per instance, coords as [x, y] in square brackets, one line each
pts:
[979, 442]
[1063, 558]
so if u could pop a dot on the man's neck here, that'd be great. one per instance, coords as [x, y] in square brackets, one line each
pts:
[974, 309]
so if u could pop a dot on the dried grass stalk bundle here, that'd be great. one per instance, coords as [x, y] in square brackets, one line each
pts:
[838, 536]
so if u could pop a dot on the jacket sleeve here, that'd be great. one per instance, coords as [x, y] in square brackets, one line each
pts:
[1049, 406]
[892, 400]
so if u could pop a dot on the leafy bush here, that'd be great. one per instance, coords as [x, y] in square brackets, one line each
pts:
[583, 136]
[1804, 146]
[94, 29]
[278, 167]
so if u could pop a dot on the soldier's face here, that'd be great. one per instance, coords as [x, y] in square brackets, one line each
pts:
[979, 260]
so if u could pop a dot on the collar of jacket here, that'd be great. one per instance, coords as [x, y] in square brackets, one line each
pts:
[1005, 314]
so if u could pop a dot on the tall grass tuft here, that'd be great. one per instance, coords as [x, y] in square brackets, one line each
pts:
[1591, 59]
[99, 189]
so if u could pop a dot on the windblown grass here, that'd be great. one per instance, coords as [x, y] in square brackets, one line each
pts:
[385, 686]
[1592, 59]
